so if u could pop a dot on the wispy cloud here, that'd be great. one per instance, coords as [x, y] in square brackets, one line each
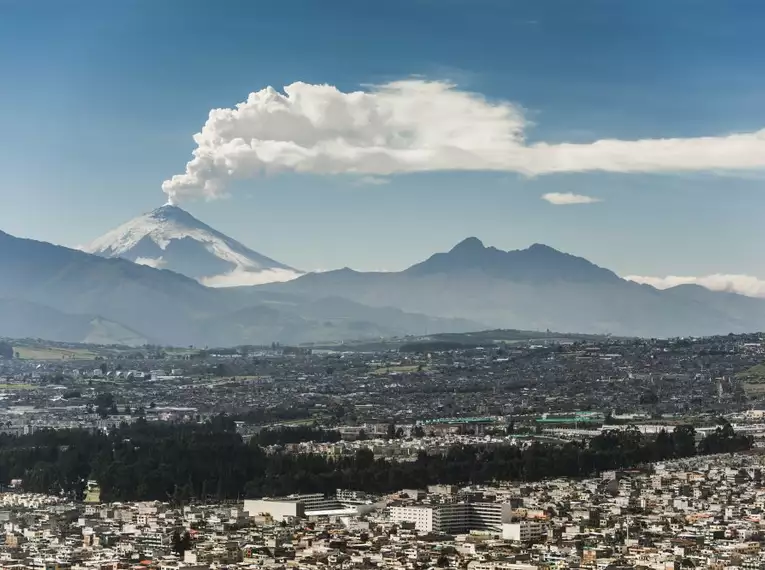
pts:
[371, 181]
[418, 126]
[568, 198]
[742, 284]
[241, 277]
[151, 262]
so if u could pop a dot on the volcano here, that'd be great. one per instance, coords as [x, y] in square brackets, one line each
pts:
[171, 238]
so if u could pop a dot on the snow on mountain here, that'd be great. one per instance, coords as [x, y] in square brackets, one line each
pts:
[171, 238]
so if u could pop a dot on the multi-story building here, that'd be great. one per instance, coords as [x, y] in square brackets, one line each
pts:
[352, 497]
[421, 515]
[292, 506]
[523, 531]
[454, 517]
[279, 510]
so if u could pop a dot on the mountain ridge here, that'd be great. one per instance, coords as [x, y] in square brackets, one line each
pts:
[470, 287]
[170, 308]
[535, 262]
[536, 288]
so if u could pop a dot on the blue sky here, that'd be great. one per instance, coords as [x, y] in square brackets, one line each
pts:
[99, 102]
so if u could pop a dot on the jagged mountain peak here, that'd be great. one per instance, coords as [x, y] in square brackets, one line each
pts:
[535, 263]
[171, 238]
[471, 244]
[542, 249]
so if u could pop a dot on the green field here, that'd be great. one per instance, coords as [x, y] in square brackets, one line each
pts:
[301, 422]
[52, 353]
[397, 369]
[16, 387]
[753, 380]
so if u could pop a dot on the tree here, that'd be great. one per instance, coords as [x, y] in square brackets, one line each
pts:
[418, 431]
[442, 562]
[338, 412]
[104, 403]
[391, 432]
[190, 460]
[297, 434]
[649, 398]
[362, 436]
[103, 368]
[181, 542]
[684, 441]
[128, 411]
[175, 542]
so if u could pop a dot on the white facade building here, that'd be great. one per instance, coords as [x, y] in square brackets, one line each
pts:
[292, 506]
[522, 531]
[453, 517]
[422, 516]
[276, 509]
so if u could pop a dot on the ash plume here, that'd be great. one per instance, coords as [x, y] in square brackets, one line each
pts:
[417, 126]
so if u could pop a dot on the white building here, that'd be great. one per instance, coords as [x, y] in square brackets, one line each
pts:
[454, 517]
[292, 506]
[523, 531]
[422, 516]
[276, 509]
[500, 565]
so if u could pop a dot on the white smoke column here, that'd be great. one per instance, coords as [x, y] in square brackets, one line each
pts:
[417, 126]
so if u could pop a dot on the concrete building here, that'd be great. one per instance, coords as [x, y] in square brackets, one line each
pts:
[279, 510]
[522, 531]
[292, 506]
[314, 501]
[422, 516]
[453, 517]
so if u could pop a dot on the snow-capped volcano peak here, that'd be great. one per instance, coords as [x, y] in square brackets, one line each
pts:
[171, 238]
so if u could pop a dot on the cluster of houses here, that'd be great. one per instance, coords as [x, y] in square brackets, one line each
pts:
[705, 512]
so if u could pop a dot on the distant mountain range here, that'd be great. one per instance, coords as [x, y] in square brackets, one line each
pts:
[52, 292]
[171, 238]
[23, 319]
[121, 296]
[538, 288]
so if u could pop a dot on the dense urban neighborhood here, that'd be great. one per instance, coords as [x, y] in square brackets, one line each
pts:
[445, 452]
[704, 512]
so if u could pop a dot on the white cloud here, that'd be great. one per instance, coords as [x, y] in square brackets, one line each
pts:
[418, 126]
[568, 198]
[150, 261]
[372, 181]
[742, 284]
[240, 277]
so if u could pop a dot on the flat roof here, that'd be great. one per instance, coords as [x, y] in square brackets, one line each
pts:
[473, 420]
[332, 512]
